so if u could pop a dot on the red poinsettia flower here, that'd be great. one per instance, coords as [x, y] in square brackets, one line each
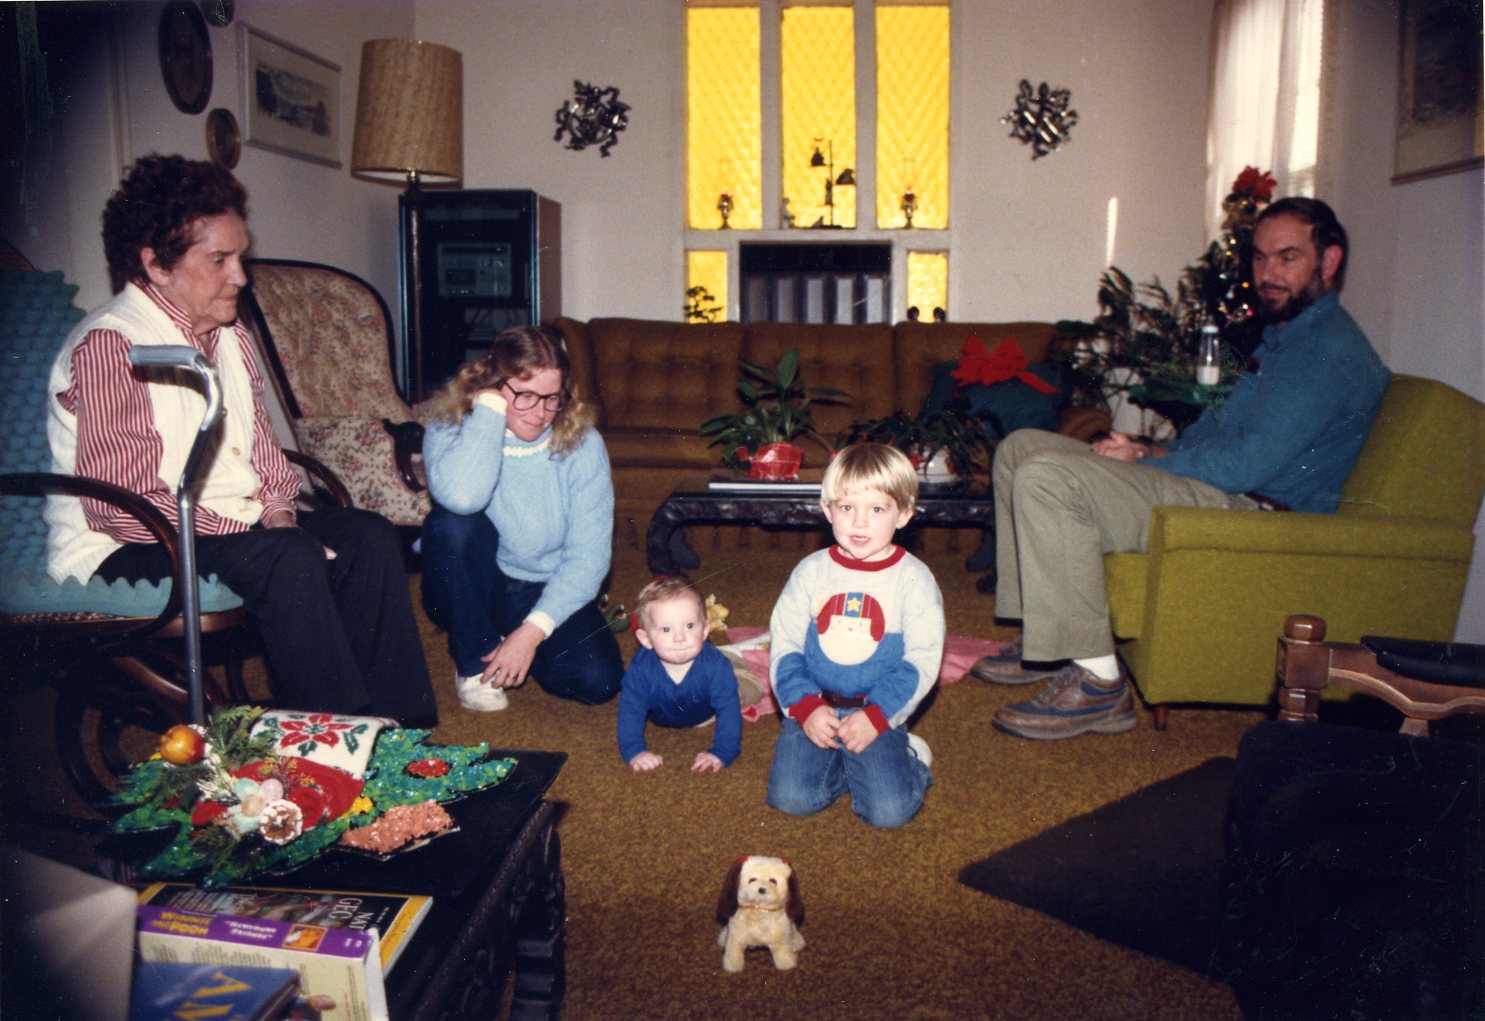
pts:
[1257, 185]
[317, 728]
[1007, 361]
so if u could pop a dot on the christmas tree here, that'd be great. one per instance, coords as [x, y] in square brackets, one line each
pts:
[1155, 335]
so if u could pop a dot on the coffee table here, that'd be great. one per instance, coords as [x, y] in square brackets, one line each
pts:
[498, 902]
[693, 502]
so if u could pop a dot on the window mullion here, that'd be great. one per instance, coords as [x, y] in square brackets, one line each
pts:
[866, 114]
[771, 116]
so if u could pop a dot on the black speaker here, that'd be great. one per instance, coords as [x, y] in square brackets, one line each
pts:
[483, 260]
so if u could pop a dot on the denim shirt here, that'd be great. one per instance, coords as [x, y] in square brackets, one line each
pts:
[1291, 430]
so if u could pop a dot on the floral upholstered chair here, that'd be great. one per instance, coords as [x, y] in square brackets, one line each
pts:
[326, 335]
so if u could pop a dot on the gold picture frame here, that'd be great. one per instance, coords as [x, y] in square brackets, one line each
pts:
[291, 99]
[1438, 90]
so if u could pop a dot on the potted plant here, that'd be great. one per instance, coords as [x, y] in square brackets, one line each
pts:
[945, 445]
[759, 438]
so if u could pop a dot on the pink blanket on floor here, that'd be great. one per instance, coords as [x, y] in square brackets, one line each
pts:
[960, 653]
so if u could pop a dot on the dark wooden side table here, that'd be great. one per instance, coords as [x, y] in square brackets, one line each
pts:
[694, 503]
[498, 903]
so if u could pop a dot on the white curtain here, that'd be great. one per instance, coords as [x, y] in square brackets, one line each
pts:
[1266, 96]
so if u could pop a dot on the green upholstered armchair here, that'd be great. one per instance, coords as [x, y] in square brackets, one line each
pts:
[1200, 609]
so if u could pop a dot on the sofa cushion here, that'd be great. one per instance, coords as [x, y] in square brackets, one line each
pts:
[659, 375]
[856, 359]
[580, 354]
[919, 346]
[1005, 406]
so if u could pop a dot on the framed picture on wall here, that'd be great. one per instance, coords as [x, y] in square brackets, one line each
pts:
[292, 99]
[1438, 93]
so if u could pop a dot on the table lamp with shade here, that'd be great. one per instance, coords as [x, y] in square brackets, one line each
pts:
[410, 130]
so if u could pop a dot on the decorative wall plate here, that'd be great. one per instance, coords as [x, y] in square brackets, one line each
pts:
[218, 12]
[185, 56]
[223, 143]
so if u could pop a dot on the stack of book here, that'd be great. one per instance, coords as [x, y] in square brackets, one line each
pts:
[222, 992]
[340, 944]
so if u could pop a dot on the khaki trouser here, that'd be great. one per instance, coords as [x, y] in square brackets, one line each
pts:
[1059, 508]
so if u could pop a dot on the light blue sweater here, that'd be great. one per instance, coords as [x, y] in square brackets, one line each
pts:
[555, 515]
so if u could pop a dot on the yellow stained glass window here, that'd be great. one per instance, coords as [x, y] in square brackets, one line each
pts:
[706, 287]
[723, 130]
[928, 282]
[817, 50]
[913, 115]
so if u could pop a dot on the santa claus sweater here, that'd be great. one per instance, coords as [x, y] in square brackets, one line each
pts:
[871, 629]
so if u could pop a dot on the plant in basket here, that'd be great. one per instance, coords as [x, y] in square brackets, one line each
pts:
[944, 444]
[759, 438]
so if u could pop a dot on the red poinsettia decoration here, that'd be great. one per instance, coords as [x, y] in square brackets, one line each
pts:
[317, 728]
[1007, 361]
[1255, 184]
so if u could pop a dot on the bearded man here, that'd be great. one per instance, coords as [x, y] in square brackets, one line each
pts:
[1286, 438]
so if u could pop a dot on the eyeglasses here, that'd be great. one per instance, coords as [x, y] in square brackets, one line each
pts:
[525, 400]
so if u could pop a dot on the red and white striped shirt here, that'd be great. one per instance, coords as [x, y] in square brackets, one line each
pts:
[118, 441]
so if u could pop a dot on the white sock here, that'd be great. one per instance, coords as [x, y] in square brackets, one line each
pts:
[1105, 668]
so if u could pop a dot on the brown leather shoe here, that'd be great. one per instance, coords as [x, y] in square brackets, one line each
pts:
[1074, 702]
[1005, 667]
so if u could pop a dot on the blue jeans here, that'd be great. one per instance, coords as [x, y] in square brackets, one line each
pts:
[466, 594]
[886, 781]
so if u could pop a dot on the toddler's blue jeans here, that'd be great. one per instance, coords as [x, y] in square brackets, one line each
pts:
[886, 781]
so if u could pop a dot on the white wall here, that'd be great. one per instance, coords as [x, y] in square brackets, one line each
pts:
[111, 107]
[1028, 236]
[1416, 281]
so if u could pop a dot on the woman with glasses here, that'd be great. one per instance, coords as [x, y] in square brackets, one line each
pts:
[521, 531]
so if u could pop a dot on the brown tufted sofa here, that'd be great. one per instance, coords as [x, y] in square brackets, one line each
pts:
[654, 382]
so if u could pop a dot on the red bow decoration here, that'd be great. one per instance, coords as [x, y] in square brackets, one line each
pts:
[1007, 361]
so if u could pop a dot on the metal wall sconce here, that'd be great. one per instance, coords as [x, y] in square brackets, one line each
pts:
[846, 179]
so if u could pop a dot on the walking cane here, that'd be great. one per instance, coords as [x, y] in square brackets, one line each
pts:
[181, 356]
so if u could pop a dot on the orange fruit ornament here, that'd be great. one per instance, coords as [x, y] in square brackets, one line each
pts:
[181, 745]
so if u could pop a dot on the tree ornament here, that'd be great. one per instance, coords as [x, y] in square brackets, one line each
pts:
[182, 745]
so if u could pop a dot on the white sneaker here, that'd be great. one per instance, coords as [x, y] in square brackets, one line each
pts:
[920, 749]
[475, 694]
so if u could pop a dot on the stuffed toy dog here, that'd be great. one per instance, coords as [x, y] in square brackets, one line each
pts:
[760, 907]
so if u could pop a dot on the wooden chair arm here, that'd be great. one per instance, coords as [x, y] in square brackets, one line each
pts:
[329, 483]
[1307, 665]
[159, 526]
[407, 448]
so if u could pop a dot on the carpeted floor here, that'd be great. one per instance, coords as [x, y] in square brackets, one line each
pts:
[891, 931]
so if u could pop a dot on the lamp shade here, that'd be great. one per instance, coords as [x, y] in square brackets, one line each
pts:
[409, 112]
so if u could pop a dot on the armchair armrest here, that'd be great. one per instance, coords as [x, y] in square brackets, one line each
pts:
[1307, 664]
[41, 483]
[407, 451]
[324, 481]
[1175, 528]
